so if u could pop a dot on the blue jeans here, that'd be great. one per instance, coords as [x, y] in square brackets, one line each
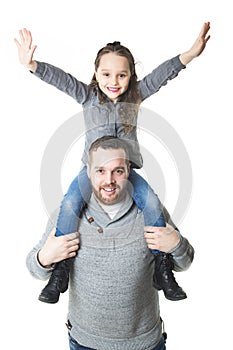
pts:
[75, 346]
[72, 204]
[79, 194]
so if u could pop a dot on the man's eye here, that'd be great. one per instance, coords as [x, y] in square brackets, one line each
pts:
[120, 171]
[99, 171]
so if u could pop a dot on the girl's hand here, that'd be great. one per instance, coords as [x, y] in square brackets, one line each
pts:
[26, 49]
[198, 46]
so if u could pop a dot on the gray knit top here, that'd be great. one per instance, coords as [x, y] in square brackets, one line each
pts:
[112, 302]
[104, 119]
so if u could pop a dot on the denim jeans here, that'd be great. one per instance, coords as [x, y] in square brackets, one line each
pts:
[79, 194]
[73, 202]
[146, 200]
[75, 346]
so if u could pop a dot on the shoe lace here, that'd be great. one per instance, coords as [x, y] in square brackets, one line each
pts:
[168, 265]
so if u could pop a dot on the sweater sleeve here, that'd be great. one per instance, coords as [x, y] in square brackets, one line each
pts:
[159, 77]
[183, 253]
[33, 265]
[63, 81]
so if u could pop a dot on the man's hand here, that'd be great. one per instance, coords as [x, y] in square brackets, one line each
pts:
[59, 248]
[26, 49]
[161, 238]
[198, 46]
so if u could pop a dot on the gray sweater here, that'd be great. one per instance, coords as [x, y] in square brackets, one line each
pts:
[112, 302]
[104, 119]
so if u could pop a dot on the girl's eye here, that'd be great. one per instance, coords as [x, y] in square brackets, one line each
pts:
[122, 75]
[106, 74]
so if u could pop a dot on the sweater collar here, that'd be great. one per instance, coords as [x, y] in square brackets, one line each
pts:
[95, 210]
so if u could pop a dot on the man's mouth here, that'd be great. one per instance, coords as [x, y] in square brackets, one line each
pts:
[109, 190]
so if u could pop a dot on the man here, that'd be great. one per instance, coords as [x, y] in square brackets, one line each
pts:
[112, 302]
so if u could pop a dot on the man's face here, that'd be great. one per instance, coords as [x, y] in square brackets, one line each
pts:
[108, 173]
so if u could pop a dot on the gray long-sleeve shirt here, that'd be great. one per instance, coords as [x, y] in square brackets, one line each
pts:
[112, 302]
[104, 119]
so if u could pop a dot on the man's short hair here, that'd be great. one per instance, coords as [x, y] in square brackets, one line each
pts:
[109, 142]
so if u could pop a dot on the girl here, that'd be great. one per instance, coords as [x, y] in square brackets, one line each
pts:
[110, 103]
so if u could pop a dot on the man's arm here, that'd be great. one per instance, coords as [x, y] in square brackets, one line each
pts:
[50, 250]
[168, 239]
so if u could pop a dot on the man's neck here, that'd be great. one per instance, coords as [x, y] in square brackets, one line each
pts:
[112, 209]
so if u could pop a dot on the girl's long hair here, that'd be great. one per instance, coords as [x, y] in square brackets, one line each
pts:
[131, 98]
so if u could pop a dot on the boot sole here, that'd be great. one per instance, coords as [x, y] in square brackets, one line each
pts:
[175, 299]
[52, 301]
[48, 301]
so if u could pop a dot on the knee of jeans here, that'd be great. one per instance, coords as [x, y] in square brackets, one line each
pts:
[152, 201]
[70, 203]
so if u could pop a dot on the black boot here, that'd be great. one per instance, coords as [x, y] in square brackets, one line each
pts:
[58, 282]
[164, 278]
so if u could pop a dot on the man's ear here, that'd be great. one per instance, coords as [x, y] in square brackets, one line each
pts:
[88, 170]
[129, 168]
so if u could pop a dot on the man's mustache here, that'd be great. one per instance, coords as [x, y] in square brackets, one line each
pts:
[110, 186]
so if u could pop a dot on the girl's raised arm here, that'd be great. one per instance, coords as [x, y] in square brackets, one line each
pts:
[26, 49]
[198, 46]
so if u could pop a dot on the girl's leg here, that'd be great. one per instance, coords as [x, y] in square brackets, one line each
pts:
[147, 200]
[72, 204]
[149, 203]
[78, 194]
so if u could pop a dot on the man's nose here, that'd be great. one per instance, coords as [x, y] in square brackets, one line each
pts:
[109, 177]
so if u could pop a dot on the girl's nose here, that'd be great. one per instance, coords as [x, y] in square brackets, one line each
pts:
[114, 81]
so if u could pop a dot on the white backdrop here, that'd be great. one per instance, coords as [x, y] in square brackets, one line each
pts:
[197, 104]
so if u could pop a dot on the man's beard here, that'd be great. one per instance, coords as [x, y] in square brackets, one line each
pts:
[111, 200]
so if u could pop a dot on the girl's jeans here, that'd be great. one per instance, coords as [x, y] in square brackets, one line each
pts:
[79, 194]
[75, 346]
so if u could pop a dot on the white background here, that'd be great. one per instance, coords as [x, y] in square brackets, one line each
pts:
[198, 104]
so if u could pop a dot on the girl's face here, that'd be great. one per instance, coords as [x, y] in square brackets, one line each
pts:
[113, 75]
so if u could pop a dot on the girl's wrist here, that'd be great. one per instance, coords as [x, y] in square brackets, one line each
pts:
[186, 57]
[31, 66]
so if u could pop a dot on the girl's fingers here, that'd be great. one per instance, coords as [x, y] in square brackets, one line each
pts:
[21, 36]
[17, 43]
